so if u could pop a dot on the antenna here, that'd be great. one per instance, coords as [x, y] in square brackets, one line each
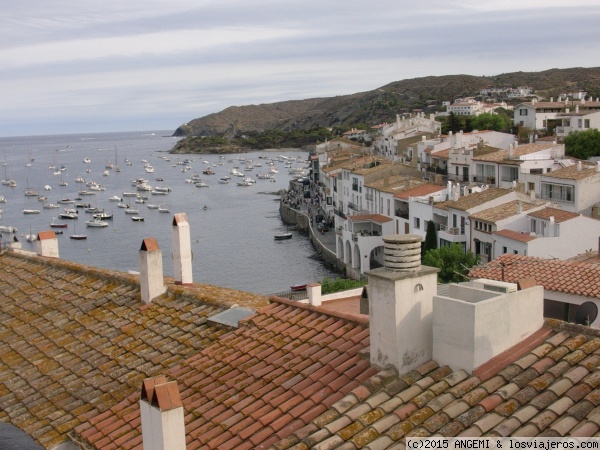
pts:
[586, 313]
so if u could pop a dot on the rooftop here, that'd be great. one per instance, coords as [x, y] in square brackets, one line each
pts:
[547, 386]
[78, 340]
[503, 211]
[569, 277]
[475, 199]
[572, 172]
[258, 384]
[558, 214]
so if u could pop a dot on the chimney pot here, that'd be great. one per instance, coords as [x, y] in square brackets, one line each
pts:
[181, 250]
[151, 270]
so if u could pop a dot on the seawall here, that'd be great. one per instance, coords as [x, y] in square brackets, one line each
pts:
[300, 221]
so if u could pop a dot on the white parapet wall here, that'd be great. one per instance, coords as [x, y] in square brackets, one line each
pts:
[473, 325]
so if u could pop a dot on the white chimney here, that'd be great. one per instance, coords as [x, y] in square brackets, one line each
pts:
[576, 108]
[597, 166]
[481, 319]
[182, 250]
[578, 165]
[519, 207]
[161, 410]
[314, 294]
[400, 305]
[151, 271]
[47, 244]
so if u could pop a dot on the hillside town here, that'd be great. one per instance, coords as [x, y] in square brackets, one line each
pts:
[93, 358]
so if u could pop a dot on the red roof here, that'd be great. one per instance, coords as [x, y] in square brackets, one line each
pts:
[515, 235]
[370, 217]
[258, 384]
[419, 191]
[570, 277]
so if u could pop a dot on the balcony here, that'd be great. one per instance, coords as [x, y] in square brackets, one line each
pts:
[455, 231]
[402, 214]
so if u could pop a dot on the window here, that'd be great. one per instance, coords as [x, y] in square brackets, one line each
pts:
[558, 192]
[504, 250]
[417, 223]
[523, 112]
[586, 123]
[510, 173]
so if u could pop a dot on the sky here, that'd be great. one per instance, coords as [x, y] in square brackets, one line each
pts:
[81, 66]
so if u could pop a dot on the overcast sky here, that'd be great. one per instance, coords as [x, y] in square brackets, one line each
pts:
[83, 66]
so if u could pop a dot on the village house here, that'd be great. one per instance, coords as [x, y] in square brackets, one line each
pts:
[575, 187]
[547, 233]
[576, 121]
[386, 143]
[535, 115]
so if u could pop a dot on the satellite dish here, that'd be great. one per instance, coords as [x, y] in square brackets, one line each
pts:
[586, 313]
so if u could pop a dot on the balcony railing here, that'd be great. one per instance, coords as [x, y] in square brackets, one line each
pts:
[456, 231]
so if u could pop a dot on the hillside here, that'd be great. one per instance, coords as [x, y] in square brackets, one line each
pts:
[382, 104]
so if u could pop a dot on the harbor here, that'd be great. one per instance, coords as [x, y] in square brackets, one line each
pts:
[232, 227]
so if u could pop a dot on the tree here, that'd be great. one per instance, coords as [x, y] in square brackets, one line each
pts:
[454, 264]
[583, 144]
[430, 237]
[489, 121]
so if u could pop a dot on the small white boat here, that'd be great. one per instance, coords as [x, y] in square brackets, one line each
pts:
[122, 205]
[283, 236]
[152, 206]
[8, 229]
[2, 199]
[164, 208]
[86, 160]
[68, 215]
[137, 218]
[103, 216]
[96, 223]
[158, 193]
[31, 237]
[65, 201]
[201, 184]
[223, 181]
[50, 206]
[31, 211]
[114, 198]
[79, 180]
[131, 211]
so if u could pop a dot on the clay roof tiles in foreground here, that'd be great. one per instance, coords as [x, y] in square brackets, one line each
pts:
[548, 386]
[75, 340]
[557, 275]
[282, 368]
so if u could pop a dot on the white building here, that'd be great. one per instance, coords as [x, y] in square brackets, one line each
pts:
[548, 233]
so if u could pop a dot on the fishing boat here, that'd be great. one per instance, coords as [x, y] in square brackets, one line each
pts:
[57, 225]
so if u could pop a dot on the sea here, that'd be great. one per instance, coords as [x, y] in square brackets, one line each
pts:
[232, 227]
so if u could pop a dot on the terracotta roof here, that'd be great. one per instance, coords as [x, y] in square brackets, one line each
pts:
[502, 156]
[258, 384]
[515, 235]
[396, 183]
[558, 214]
[549, 385]
[75, 340]
[420, 191]
[571, 172]
[554, 274]
[442, 154]
[503, 211]
[371, 217]
[475, 199]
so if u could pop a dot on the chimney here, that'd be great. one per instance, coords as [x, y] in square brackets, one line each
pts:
[480, 319]
[552, 99]
[47, 244]
[314, 294]
[597, 166]
[151, 271]
[578, 166]
[161, 411]
[576, 108]
[400, 305]
[182, 250]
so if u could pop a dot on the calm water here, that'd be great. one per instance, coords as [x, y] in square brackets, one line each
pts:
[232, 240]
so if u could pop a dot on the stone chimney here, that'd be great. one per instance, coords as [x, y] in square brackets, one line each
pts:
[47, 244]
[161, 411]
[182, 250]
[151, 271]
[400, 305]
